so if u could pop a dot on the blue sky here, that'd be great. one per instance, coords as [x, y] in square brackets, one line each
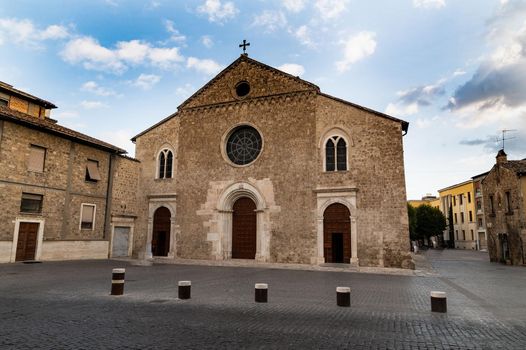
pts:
[456, 70]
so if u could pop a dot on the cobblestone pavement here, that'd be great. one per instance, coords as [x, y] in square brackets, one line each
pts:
[58, 305]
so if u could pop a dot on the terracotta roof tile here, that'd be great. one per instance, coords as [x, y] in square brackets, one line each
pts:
[52, 127]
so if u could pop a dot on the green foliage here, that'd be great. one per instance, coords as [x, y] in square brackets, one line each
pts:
[430, 221]
[411, 212]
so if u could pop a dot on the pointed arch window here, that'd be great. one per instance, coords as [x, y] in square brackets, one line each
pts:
[165, 164]
[336, 154]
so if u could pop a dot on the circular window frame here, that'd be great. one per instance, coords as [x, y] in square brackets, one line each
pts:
[236, 85]
[226, 136]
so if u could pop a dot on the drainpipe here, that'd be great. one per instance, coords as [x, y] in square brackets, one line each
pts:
[108, 198]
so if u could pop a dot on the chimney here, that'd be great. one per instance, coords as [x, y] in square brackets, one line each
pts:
[501, 157]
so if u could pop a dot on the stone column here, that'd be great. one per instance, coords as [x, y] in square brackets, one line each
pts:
[262, 248]
[173, 239]
[320, 257]
[226, 234]
[354, 242]
[148, 246]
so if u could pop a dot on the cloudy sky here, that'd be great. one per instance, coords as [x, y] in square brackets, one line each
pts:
[456, 70]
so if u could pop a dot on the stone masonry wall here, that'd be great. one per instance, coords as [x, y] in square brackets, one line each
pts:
[125, 184]
[499, 181]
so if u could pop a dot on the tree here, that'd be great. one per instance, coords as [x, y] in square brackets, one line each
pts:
[411, 213]
[429, 221]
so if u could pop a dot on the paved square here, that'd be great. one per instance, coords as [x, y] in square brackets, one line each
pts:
[57, 305]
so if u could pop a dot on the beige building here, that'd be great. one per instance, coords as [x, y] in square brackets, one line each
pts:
[259, 164]
[482, 238]
[457, 203]
[63, 194]
[504, 193]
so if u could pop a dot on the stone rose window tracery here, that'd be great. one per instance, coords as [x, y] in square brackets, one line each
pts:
[243, 145]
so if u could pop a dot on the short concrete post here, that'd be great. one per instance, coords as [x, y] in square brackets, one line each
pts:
[438, 302]
[185, 289]
[261, 293]
[117, 281]
[343, 296]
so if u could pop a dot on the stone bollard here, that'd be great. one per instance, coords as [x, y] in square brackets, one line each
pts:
[261, 293]
[438, 302]
[343, 296]
[117, 281]
[185, 289]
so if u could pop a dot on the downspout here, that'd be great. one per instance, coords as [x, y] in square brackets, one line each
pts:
[109, 190]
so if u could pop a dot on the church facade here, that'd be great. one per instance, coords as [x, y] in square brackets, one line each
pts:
[259, 164]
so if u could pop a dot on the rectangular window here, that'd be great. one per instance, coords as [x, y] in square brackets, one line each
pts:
[491, 207]
[470, 216]
[469, 197]
[460, 198]
[87, 216]
[456, 221]
[480, 222]
[454, 201]
[463, 235]
[508, 203]
[31, 203]
[37, 158]
[92, 171]
[472, 236]
[462, 217]
[479, 205]
[456, 234]
[4, 103]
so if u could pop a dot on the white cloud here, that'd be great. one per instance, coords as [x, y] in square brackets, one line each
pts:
[88, 52]
[120, 138]
[270, 20]
[184, 91]
[330, 9]
[146, 81]
[217, 11]
[429, 3]
[206, 66]
[176, 36]
[303, 35]
[207, 41]
[94, 88]
[24, 32]
[400, 110]
[133, 51]
[293, 69]
[92, 104]
[294, 5]
[356, 48]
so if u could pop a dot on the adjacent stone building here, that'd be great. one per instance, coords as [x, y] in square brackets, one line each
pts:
[504, 193]
[63, 194]
[259, 164]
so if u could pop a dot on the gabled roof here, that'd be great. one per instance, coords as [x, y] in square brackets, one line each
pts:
[19, 93]
[245, 58]
[52, 127]
[308, 86]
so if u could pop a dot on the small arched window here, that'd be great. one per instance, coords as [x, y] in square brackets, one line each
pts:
[165, 164]
[335, 154]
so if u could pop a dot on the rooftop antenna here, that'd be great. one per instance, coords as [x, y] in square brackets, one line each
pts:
[504, 138]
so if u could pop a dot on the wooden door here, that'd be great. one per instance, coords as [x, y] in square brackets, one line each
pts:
[244, 227]
[337, 234]
[161, 232]
[26, 246]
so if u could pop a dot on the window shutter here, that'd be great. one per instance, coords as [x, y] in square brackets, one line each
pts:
[37, 156]
[93, 170]
[87, 213]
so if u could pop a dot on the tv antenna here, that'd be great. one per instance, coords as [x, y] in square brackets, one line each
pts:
[504, 138]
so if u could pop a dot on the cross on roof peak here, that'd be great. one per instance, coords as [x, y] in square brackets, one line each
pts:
[244, 46]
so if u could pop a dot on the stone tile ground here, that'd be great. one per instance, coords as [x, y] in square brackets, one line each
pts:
[66, 305]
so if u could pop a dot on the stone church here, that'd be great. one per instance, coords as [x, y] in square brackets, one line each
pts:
[259, 164]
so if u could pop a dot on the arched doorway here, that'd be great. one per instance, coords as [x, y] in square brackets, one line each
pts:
[161, 232]
[337, 234]
[244, 227]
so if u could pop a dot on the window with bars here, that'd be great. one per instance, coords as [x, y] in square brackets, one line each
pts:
[37, 157]
[336, 154]
[165, 164]
[87, 216]
[31, 203]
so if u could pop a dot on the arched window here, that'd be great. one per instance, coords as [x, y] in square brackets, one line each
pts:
[335, 154]
[165, 164]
